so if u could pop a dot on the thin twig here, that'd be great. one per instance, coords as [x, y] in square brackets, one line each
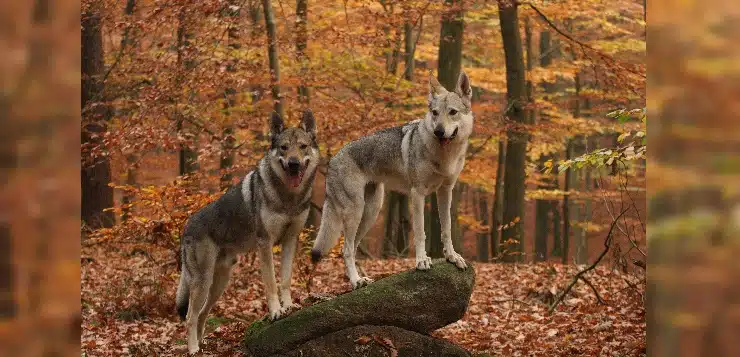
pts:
[607, 245]
[598, 297]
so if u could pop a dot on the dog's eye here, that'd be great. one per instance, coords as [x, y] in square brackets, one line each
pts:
[284, 148]
[453, 111]
[304, 146]
[435, 113]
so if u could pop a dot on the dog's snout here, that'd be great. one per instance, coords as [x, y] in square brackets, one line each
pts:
[294, 165]
[439, 132]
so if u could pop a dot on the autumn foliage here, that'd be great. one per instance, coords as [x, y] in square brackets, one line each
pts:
[187, 90]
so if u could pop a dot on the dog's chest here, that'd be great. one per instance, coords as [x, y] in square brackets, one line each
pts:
[275, 223]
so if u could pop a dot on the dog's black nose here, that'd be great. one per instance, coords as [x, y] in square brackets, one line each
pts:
[294, 165]
[439, 132]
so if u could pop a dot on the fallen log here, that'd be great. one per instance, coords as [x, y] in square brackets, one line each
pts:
[405, 307]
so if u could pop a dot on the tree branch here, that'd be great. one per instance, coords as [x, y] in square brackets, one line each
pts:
[603, 56]
[579, 275]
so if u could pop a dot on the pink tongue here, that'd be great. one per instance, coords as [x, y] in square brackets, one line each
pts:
[294, 181]
[444, 141]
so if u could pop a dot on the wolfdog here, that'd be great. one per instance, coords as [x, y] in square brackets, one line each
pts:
[418, 158]
[269, 206]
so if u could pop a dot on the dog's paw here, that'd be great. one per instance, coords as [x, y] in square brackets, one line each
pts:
[276, 314]
[288, 308]
[457, 259]
[361, 282]
[423, 263]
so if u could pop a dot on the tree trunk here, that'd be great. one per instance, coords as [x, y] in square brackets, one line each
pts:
[483, 236]
[516, 150]
[97, 195]
[566, 203]
[272, 53]
[394, 53]
[404, 225]
[228, 142]
[301, 42]
[131, 159]
[557, 242]
[188, 157]
[254, 19]
[391, 225]
[434, 233]
[450, 44]
[498, 199]
[409, 50]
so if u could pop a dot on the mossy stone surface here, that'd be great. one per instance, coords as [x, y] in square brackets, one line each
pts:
[418, 301]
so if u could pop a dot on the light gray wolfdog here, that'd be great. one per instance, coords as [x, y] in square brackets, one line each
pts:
[417, 159]
[269, 206]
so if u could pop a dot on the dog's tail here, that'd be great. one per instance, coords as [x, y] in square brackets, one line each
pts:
[329, 231]
[183, 289]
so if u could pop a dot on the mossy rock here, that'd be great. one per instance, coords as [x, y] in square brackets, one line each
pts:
[418, 301]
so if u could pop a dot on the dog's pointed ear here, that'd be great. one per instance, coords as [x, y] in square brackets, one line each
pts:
[276, 124]
[435, 88]
[308, 123]
[463, 86]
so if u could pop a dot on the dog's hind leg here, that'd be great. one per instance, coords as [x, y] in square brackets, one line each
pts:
[221, 274]
[351, 225]
[374, 194]
[201, 260]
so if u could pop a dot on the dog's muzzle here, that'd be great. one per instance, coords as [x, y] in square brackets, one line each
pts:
[294, 172]
[439, 132]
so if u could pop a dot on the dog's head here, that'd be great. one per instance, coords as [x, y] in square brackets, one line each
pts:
[450, 114]
[293, 151]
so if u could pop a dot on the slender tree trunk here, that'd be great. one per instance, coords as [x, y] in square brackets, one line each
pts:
[404, 226]
[483, 236]
[272, 53]
[131, 159]
[228, 141]
[498, 199]
[516, 150]
[97, 195]
[409, 50]
[450, 44]
[394, 53]
[542, 207]
[301, 42]
[557, 242]
[391, 225]
[255, 32]
[566, 203]
[188, 157]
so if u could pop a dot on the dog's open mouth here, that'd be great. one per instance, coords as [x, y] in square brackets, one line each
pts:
[444, 141]
[294, 179]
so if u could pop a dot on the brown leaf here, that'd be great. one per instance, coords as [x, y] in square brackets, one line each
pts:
[363, 340]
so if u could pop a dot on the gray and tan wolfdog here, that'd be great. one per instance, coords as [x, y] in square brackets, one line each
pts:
[417, 159]
[269, 206]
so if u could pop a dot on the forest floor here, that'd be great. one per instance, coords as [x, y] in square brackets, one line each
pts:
[128, 294]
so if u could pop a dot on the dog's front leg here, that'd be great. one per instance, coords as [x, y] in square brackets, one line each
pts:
[423, 262]
[268, 277]
[444, 195]
[286, 272]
